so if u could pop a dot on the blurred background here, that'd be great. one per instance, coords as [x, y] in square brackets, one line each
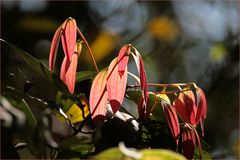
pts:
[180, 41]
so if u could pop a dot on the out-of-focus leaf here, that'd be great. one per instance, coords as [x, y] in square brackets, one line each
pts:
[81, 145]
[23, 106]
[116, 86]
[160, 154]
[112, 153]
[84, 75]
[36, 65]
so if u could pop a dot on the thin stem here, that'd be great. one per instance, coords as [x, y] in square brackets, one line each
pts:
[89, 50]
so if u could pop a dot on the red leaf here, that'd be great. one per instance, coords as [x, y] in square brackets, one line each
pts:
[69, 37]
[186, 107]
[116, 85]
[71, 73]
[172, 120]
[64, 68]
[54, 48]
[201, 105]
[98, 97]
[123, 57]
[188, 142]
[143, 78]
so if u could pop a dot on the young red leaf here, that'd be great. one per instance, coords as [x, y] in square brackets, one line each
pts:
[186, 107]
[188, 142]
[201, 105]
[98, 97]
[143, 78]
[71, 73]
[172, 120]
[54, 48]
[64, 68]
[116, 85]
[69, 37]
[123, 57]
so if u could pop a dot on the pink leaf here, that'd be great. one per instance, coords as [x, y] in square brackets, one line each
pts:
[98, 97]
[188, 142]
[123, 57]
[64, 68]
[172, 120]
[54, 48]
[116, 85]
[69, 37]
[71, 73]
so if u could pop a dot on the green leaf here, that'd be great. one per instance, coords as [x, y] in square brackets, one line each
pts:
[159, 154]
[84, 75]
[157, 112]
[82, 145]
[112, 153]
[33, 63]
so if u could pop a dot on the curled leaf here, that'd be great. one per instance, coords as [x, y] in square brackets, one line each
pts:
[123, 57]
[172, 120]
[98, 97]
[116, 85]
[54, 48]
[143, 78]
[69, 37]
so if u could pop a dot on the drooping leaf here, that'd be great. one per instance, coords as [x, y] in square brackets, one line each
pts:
[186, 107]
[71, 73]
[84, 75]
[172, 120]
[188, 142]
[54, 48]
[123, 57]
[116, 85]
[201, 105]
[143, 78]
[98, 97]
[69, 37]
[39, 69]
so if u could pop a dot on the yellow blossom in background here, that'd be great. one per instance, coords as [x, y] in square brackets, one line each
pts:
[102, 46]
[163, 28]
